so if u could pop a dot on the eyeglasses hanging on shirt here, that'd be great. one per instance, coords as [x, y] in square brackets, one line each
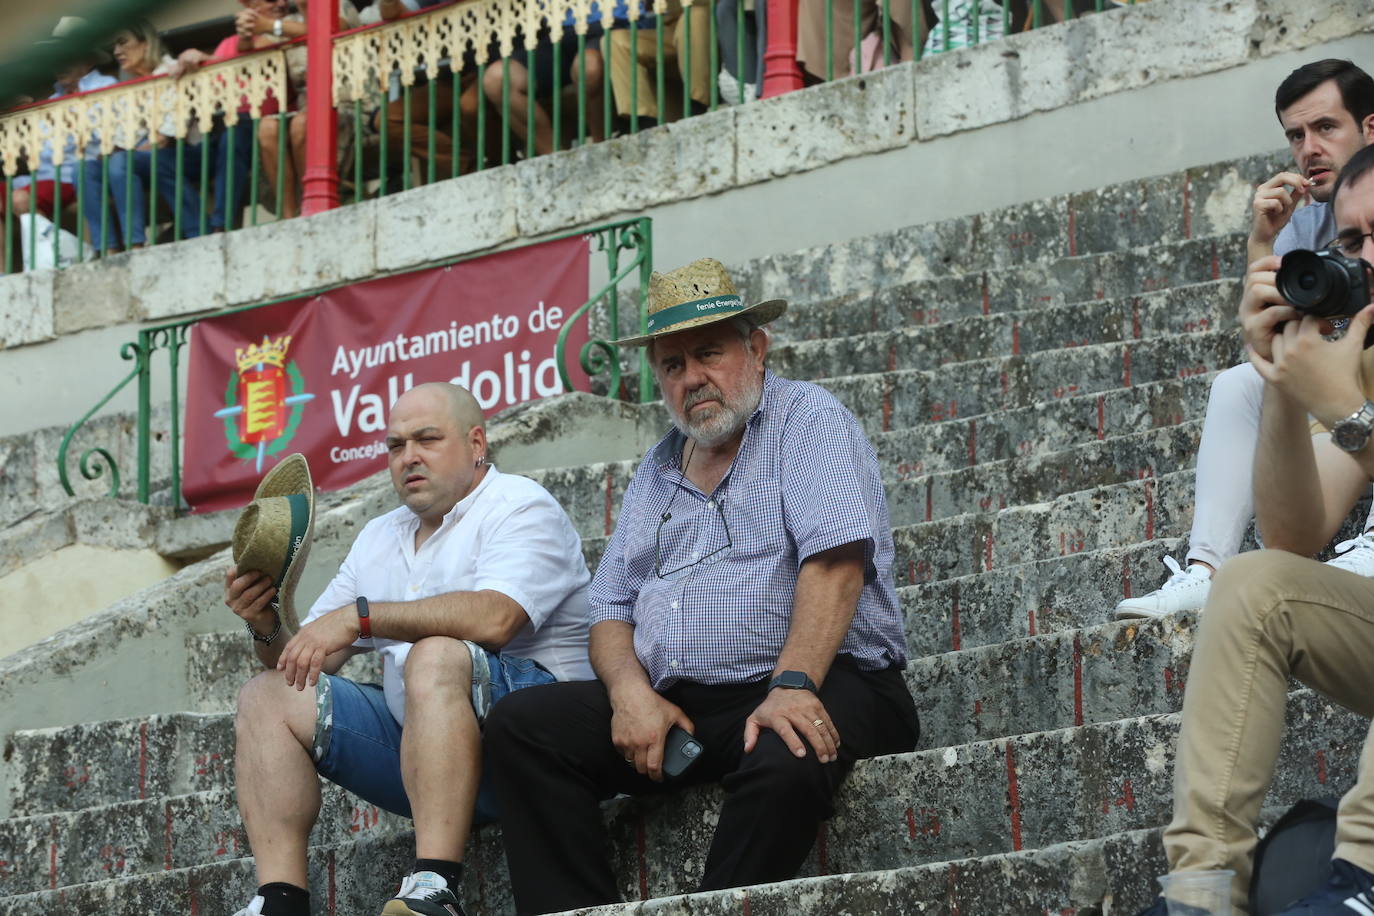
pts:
[698, 557]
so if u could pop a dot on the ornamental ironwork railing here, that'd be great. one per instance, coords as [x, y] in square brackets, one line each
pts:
[628, 250]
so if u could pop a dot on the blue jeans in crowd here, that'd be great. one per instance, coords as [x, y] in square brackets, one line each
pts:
[130, 210]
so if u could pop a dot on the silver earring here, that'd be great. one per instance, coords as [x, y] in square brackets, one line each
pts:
[481, 460]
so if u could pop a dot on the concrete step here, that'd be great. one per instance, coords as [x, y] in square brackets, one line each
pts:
[1142, 276]
[1100, 673]
[1053, 595]
[218, 664]
[907, 398]
[977, 799]
[157, 834]
[1196, 203]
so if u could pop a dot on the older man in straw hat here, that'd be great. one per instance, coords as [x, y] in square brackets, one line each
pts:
[746, 597]
[473, 588]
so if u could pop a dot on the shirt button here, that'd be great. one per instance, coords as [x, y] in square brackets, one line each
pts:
[673, 663]
[696, 554]
[710, 503]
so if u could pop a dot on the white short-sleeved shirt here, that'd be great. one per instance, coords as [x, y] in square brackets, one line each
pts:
[508, 535]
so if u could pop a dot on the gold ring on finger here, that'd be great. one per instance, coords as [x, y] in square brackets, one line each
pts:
[818, 723]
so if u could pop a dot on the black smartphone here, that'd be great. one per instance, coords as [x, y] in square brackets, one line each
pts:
[680, 751]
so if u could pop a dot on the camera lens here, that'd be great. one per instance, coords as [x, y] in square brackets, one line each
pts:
[1308, 282]
[691, 749]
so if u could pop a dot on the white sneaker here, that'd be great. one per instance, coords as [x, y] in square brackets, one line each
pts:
[254, 908]
[424, 893]
[1355, 555]
[728, 87]
[1184, 590]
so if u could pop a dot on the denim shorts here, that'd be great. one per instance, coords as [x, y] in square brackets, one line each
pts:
[358, 742]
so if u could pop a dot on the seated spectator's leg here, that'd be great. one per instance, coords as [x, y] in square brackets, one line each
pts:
[1270, 614]
[595, 75]
[278, 791]
[296, 130]
[642, 85]
[283, 181]
[520, 101]
[776, 801]
[727, 37]
[141, 164]
[130, 206]
[93, 201]
[187, 209]
[235, 172]
[1224, 501]
[551, 763]
[700, 52]
[441, 747]
[811, 29]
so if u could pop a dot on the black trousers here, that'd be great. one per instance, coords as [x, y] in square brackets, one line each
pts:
[550, 759]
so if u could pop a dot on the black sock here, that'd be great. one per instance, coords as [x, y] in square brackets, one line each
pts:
[282, 899]
[452, 872]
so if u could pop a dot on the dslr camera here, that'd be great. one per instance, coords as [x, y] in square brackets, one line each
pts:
[1325, 284]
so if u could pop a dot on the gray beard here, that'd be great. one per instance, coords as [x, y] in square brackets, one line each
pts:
[727, 422]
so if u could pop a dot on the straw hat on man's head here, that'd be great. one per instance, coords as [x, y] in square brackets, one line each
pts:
[65, 27]
[699, 294]
[272, 535]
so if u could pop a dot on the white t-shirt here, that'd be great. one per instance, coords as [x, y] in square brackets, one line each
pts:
[509, 535]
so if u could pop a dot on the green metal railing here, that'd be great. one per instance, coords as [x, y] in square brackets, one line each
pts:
[628, 249]
[410, 121]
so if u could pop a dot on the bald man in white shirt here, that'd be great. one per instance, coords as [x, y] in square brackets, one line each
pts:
[474, 587]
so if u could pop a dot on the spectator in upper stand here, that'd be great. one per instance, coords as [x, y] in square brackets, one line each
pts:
[812, 25]
[958, 31]
[50, 189]
[1326, 109]
[292, 27]
[1276, 614]
[568, 82]
[232, 158]
[139, 52]
[395, 116]
[746, 597]
[734, 69]
[644, 61]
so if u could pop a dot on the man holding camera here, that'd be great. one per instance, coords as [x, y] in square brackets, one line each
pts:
[1326, 109]
[746, 598]
[1276, 613]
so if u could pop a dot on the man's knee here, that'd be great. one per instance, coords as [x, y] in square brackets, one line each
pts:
[267, 699]
[773, 771]
[1238, 388]
[1245, 586]
[437, 665]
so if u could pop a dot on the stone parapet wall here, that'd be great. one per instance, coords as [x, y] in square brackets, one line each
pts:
[906, 104]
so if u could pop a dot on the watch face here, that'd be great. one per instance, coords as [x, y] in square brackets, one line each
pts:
[792, 679]
[1350, 435]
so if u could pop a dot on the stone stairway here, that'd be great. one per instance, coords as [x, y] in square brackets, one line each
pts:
[1034, 382]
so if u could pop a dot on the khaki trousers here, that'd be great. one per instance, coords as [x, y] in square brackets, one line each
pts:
[675, 51]
[811, 24]
[1270, 615]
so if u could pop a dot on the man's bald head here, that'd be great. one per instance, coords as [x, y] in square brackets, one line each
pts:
[462, 406]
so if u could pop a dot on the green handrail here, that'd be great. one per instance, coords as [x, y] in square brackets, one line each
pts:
[597, 356]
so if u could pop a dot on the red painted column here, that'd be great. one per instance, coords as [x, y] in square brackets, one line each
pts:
[781, 72]
[320, 184]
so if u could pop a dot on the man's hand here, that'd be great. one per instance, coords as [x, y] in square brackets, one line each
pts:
[304, 656]
[1274, 204]
[793, 714]
[250, 23]
[191, 59]
[1262, 309]
[248, 596]
[640, 721]
[1322, 375]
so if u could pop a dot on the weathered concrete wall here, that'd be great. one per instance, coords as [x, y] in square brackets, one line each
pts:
[1100, 99]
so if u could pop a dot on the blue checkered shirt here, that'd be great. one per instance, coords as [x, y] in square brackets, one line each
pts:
[805, 480]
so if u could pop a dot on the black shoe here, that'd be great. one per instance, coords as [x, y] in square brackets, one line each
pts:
[1348, 892]
[424, 894]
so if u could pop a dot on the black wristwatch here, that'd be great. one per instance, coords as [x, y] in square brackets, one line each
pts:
[794, 680]
[1352, 433]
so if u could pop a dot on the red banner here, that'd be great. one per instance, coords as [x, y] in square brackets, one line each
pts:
[319, 375]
